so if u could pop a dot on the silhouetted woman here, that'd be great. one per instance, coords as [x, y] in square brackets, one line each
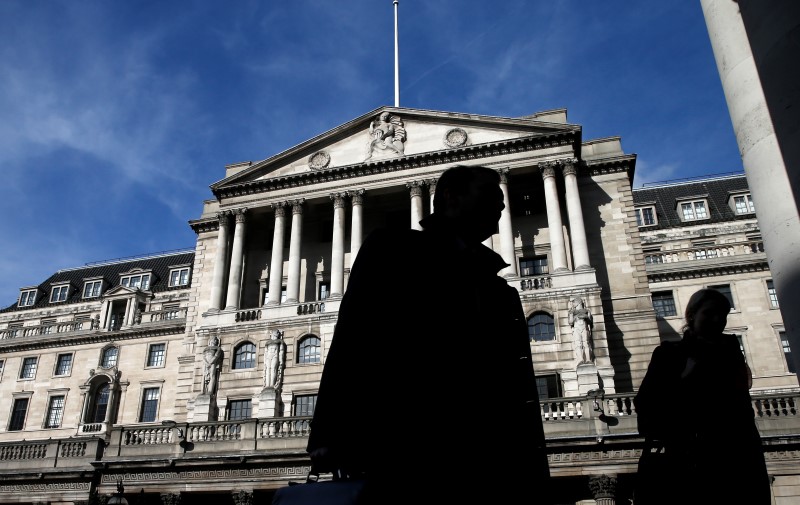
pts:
[695, 400]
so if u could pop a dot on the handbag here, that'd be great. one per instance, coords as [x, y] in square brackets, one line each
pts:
[339, 490]
[661, 475]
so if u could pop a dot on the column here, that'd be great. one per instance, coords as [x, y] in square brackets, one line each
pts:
[604, 489]
[356, 225]
[337, 252]
[415, 189]
[580, 249]
[432, 192]
[237, 261]
[557, 248]
[293, 284]
[506, 232]
[276, 263]
[220, 262]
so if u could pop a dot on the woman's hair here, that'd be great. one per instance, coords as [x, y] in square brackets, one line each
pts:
[700, 298]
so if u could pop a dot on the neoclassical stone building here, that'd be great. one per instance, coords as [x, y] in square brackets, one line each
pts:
[216, 373]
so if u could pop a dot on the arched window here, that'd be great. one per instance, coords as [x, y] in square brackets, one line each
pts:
[100, 404]
[244, 356]
[309, 350]
[109, 357]
[541, 327]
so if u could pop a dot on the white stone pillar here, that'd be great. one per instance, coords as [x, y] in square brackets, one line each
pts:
[506, 232]
[220, 263]
[295, 240]
[276, 263]
[580, 249]
[432, 192]
[356, 225]
[554, 224]
[415, 190]
[337, 246]
[237, 261]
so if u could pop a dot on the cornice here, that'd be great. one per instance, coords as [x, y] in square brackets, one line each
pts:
[93, 337]
[691, 270]
[446, 156]
[603, 166]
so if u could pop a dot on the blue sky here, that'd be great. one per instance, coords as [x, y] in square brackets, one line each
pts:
[117, 116]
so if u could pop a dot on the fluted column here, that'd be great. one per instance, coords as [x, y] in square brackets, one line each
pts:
[337, 249]
[554, 224]
[237, 261]
[431, 192]
[220, 262]
[415, 190]
[293, 283]
[356, 224]
[276, 263]
[506, 232]
[580, 249]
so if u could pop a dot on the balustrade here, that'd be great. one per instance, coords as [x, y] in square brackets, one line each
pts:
[310, 308]
[248, 315]
[23, 451]
[534, 283]
[166, 314]
[704, 252]
[44, 329]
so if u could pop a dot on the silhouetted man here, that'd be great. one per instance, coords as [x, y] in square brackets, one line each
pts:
[428, 388]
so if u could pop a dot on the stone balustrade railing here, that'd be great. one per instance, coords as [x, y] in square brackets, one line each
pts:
[248, 315]
[51, 453]
[156, 316]
[45, 329]
[310, 308]
[704, 252]
[535, 283]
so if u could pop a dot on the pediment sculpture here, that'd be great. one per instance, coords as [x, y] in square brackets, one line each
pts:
[387, 134]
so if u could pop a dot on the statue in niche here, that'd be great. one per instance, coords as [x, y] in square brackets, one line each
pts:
[580, 318]
[274, 360]
[95, 322]
[212, 360]
[387, 134]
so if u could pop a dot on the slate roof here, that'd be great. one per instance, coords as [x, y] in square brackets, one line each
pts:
[715, 189]
[158, 264]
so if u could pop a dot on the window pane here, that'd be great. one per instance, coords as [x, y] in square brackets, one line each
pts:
[787, 352]
[725, 289]
[686, 209]
[64, 364]
[664, 304]
[773, 295]
[541, 327]
[700, 210]
[156, 355]
[55, 412]
[309, 351]
[239, 409]
[110, 357]
[28, 368]
[149, 405]
[536, 265]
[639, 217]
[245, 356]
[548, 386]
[17, 421]
[100, 404]
[648, 216]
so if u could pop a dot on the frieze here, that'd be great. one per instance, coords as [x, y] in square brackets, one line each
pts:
[49, 486]
[619, 455]
[205, 475]
[690, 272]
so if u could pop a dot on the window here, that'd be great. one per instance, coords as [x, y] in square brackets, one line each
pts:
[309, 350]
[110, 355]
[136, 281]
[725, 289]
[773, 295]
[100, 406]
[18, 413]
[59, 293]
[239, 409]
[787, 351]
[743, 204]
[324, 290]
[646, 216]
[179, 277]
[244, 356]
[548, 386]
[537, 265]
[664, 304]
[304, 406]
[155, 354]
[149, 405]
[63, 364]
[55, 412]
[541, 327]
[28, 370]
[27, 298]
[694, 210]
[92, 289]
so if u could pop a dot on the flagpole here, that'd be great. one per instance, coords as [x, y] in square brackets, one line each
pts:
[396, 59]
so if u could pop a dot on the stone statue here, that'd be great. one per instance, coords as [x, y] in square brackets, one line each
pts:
[388, 134]
[137, 316]
[274, 360]
[95, 322]
[212, 360]
[581, 321]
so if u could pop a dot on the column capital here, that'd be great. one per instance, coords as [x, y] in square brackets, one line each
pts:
[297, 205]
[279, 208]
[547, 169]
[356, 196]
[415, 188]
[338, 200]
[240, 214]
[222, 216]
[504, 175]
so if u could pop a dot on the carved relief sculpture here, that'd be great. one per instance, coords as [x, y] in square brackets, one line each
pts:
[274, 360]
[581, 321]
[212, 360]
[387, 134]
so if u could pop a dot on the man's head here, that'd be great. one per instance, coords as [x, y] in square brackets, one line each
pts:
[469, 200]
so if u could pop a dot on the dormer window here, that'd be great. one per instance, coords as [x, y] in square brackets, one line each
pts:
[92, 289]
[179, 277]
[139, 281]
[742, 204]
[646, 216]
[59, 293]
[27, 298]
[693, 210]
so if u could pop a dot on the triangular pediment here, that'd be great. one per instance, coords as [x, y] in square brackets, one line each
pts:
[117, 291]
[390, 133]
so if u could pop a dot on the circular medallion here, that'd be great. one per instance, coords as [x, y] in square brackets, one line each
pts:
[319, 160]
[455, 137]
